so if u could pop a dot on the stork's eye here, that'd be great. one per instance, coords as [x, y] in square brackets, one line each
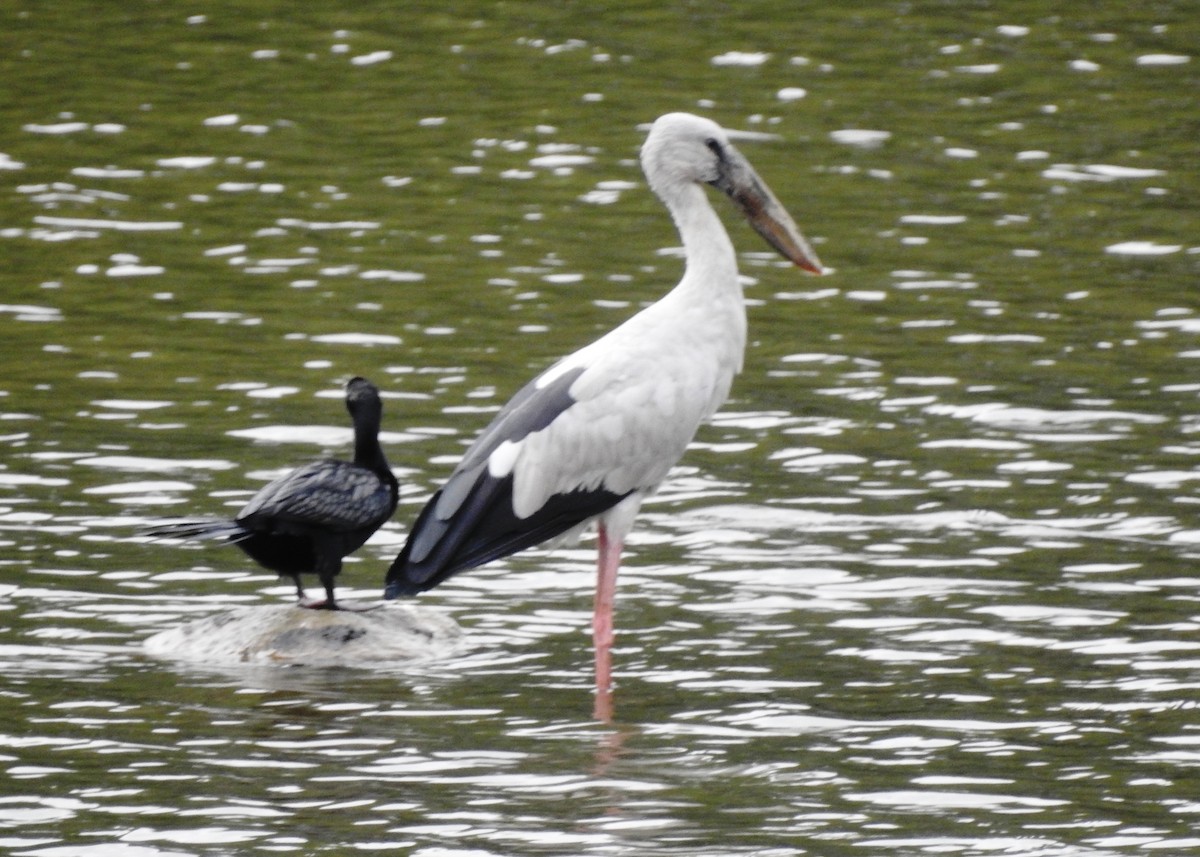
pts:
[715, 147]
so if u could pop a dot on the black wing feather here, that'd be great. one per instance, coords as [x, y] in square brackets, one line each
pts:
[333, 496]
[470, 520]
[485, 528]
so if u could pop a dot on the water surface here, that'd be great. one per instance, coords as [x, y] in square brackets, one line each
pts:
[927, 585]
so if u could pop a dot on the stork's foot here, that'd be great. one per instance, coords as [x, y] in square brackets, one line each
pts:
[320, 604]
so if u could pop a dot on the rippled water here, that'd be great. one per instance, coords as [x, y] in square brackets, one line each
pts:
[927, 586]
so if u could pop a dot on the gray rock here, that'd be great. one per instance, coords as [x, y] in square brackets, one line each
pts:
[286, 634]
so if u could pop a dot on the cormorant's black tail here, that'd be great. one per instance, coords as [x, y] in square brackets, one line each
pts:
[198, 528]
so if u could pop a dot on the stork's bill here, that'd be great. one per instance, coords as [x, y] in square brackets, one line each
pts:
[737, 179]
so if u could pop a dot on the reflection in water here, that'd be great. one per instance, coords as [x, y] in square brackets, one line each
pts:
[924, 587]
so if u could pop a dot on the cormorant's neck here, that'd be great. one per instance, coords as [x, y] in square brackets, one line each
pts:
[368, 452]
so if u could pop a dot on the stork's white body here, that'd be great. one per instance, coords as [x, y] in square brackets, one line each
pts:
[644, 390]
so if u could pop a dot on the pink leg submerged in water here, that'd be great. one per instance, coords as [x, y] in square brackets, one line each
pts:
[602, 620]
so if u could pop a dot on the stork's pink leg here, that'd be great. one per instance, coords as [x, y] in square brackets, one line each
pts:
[602, 620]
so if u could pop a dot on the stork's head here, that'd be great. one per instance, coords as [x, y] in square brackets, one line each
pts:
[684, 149]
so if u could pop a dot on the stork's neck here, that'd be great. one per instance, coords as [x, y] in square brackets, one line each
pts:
[711, 260]
[709, 297]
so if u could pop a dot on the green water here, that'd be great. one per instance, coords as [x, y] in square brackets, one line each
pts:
[926, 585]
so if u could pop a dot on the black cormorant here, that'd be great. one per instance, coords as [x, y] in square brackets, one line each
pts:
[307, 521]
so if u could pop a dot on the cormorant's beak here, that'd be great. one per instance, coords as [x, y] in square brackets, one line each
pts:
[765, 213]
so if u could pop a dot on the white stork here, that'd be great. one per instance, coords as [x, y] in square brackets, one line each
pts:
[595, 434]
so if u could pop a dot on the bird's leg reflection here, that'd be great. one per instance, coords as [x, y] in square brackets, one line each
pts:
[609, 749]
